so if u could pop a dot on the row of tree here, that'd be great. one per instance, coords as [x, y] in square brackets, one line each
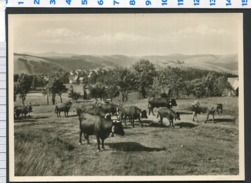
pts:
[24, 83]
[142, 77]
[174, 82]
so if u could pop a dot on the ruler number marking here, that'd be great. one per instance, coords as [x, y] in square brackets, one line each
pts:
[100, 2]
[115, 2]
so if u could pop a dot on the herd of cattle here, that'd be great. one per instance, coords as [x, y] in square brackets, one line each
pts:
[103, 119]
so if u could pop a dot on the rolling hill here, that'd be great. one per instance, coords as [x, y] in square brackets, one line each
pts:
[53, 62]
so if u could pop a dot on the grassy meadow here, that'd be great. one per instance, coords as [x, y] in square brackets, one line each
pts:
[48, 146]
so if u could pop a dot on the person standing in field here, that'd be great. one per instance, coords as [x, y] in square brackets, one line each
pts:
[196, 109]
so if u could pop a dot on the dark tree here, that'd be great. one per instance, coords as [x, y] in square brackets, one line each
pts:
[23, 86]
[56, 87]
[146, 72]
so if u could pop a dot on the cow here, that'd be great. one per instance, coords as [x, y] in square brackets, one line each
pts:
[209, 110]
[219, 108]
[132, 112]
[22, 110]
[63, 107]
[169, 114]
[160, 102]
[90, 110]
[99, 126]
[196, 109]
[107, 108]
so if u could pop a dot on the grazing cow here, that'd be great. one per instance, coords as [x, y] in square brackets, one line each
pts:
[22, 110]
[211, 111]
[132, 112]
[99, 126]
[219, 108]
[160, 102]
[169, 114]
[90, 110]
[196, 109]
[107, 108]
[63, 107]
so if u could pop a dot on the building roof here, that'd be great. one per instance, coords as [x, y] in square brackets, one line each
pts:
[234, 82]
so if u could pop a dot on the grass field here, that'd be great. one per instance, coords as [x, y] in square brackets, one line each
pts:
[48, 146]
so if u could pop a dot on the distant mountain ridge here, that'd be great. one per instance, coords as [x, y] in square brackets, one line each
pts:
[53, 62]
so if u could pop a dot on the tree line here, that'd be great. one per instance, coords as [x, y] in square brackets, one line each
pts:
[142, 76]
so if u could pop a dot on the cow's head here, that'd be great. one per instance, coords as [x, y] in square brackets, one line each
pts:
[172, 102]
[143, 114]
[69, 103]
[117, 128]
[177, 116]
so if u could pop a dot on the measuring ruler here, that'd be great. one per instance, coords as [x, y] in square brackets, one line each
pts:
[211, 4]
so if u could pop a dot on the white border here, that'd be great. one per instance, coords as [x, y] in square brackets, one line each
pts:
[239, 177]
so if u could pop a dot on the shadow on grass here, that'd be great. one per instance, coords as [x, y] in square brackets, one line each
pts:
[185, 125]
[155, 124]
[147, 121]
[30, 119]
[40, 117]
[133, 146]
[221, 120]
[69, 116]
[25, 120]
[178, 124]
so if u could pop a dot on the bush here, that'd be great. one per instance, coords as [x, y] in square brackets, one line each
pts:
[74, 95]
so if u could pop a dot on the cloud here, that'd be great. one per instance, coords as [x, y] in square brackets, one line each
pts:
[200, 30]
[58, 33]
[62, 35]
[117, 37]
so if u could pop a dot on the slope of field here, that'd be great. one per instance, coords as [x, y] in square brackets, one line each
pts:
[228, 63]
[48, 146]
[36, 64]
[33, 65]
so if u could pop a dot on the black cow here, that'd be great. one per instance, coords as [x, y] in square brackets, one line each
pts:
[63, 107]
[132, 112]
[160, 102]
[99, 126]
[219, 108]
[22, 110]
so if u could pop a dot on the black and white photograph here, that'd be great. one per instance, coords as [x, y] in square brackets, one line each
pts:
[122, 97]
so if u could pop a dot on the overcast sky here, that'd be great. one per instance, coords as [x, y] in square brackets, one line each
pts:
[127, 34]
